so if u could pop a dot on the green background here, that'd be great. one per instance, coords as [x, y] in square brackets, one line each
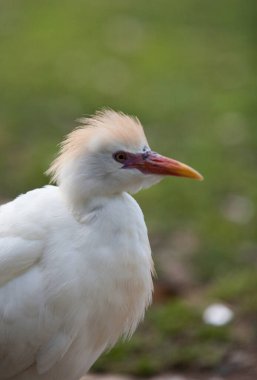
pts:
[187, 69]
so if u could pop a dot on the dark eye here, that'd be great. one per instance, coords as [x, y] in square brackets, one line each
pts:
[120, 156]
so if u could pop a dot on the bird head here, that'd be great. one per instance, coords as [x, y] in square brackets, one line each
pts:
[109, 154]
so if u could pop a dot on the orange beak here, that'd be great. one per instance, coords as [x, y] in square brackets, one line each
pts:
[154, 163]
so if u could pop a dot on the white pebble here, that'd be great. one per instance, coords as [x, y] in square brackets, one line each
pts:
[217, 315]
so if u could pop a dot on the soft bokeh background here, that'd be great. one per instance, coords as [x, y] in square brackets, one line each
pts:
[187, 69]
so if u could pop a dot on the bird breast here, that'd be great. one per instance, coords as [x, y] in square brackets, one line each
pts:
[117, 268]
[109, 271]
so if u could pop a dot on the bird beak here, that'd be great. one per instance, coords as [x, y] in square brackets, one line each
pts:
[153, 163]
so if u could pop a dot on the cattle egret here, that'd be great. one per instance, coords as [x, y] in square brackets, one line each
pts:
[75, 260]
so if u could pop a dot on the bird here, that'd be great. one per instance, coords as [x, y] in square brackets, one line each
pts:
[75, 260]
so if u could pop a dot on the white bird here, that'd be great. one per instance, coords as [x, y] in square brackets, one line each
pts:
[75, 260]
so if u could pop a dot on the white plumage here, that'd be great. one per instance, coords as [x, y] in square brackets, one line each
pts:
[75, 261]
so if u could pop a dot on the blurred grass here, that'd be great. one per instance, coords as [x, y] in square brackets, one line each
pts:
[173, 336]
[188, 71]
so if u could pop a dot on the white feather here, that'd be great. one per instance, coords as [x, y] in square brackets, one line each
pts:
[75, 264]
[73, 291]
[75, 260]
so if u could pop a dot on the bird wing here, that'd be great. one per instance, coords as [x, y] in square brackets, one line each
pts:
[22, 312]
[17, 255]
[53, 351]
[20, 241]
[18, 302]
[30, 331]
[19, 279]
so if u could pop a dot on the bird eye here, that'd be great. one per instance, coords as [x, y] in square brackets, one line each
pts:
[120, 156]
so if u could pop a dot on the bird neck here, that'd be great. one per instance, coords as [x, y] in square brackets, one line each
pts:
[85, 207]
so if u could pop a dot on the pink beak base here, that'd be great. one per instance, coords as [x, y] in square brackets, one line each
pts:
[154, 163]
